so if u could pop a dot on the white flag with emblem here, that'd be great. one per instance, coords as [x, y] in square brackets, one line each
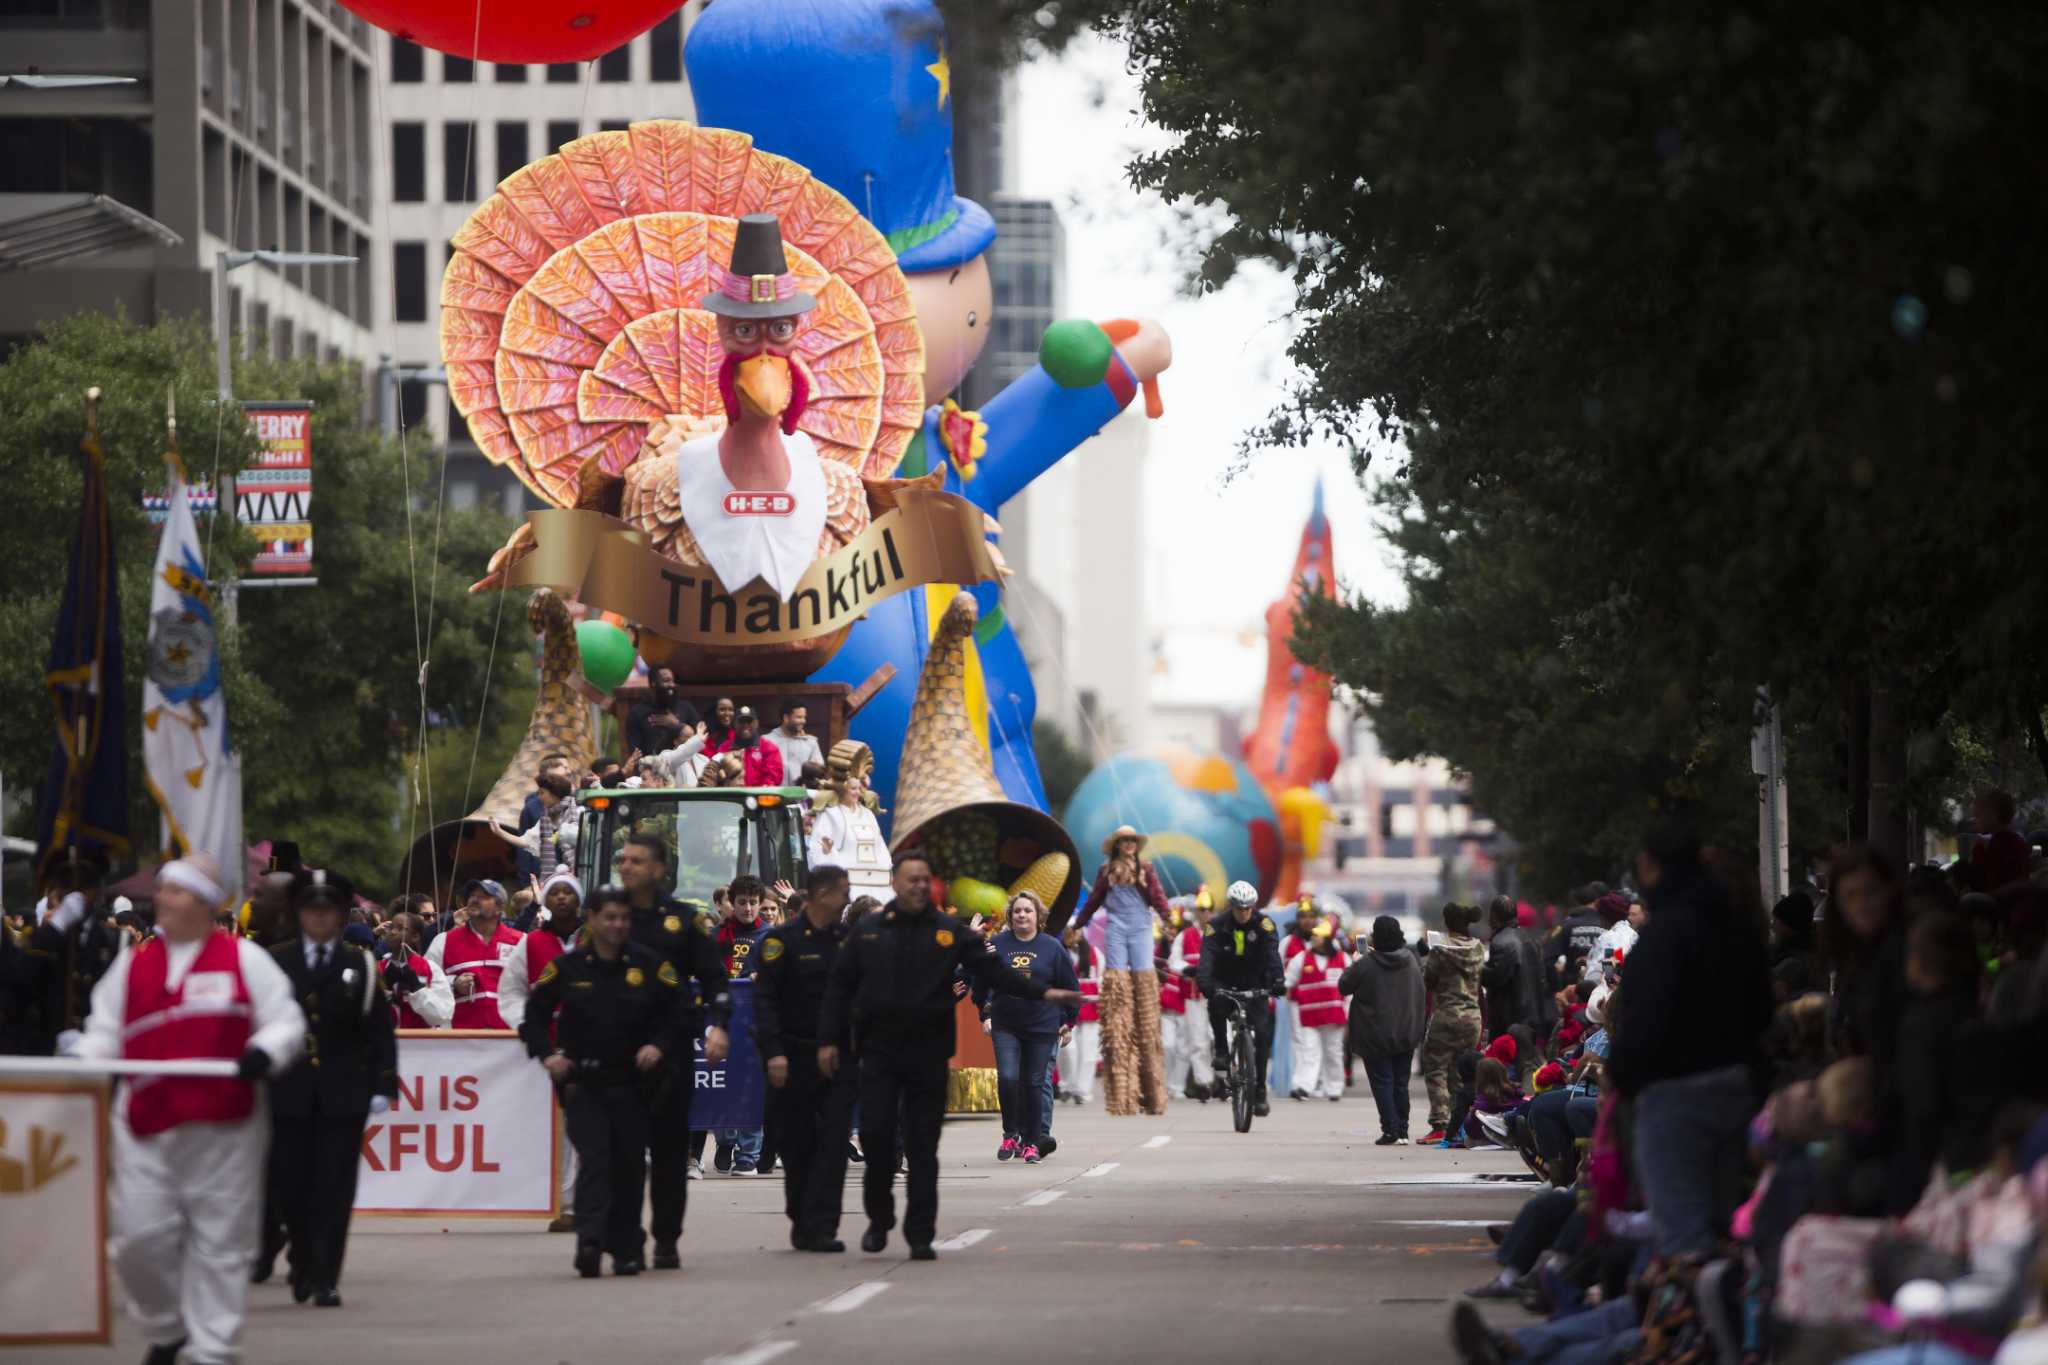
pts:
[188, 754]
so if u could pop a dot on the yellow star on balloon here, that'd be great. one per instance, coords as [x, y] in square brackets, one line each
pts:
[942, 72]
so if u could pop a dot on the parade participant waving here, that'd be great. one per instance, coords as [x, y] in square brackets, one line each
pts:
[1312, 977]
[186, 1149]
[1241, 952]
[609, 1022]
[319, 1109]
[1027, 1033]
[890, 1001]
[1134, 1060]
[474, 954]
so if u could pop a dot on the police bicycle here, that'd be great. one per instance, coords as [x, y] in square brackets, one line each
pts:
[1242, 1076]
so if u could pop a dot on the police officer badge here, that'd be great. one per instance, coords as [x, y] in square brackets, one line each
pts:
[674, 924]
[635, 977]
[945, 937]
[771, 950]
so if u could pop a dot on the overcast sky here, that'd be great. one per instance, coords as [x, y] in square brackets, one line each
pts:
[1075, 126]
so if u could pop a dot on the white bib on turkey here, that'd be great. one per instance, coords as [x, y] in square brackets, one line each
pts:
[776, 548]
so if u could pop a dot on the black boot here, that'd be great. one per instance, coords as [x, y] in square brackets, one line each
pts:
[874, 1239]
[166, 1354]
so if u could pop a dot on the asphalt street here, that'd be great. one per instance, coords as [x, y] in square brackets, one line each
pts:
[1141, 1238]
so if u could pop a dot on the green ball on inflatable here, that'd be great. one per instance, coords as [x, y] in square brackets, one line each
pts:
[1075, 353]
[971, 897]
[607, 653]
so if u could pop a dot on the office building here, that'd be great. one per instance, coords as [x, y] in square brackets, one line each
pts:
[243, 124]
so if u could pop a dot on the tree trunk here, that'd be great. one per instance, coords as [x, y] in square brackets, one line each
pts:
[1885, 815]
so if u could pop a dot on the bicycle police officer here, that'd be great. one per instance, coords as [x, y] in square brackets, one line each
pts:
[1241, 952]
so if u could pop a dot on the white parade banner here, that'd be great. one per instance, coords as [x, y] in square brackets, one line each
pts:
[53, 1212]
[472, 1135]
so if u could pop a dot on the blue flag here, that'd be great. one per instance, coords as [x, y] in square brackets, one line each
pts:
[84, 801]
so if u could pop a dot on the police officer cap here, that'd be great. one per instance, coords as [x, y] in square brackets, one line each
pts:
[319, 886]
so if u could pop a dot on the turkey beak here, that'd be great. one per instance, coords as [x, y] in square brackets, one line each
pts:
[763, 385]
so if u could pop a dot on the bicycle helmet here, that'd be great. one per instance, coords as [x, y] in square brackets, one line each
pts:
[1243, 893]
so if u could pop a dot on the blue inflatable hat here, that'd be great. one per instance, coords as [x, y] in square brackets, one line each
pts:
[858, 92]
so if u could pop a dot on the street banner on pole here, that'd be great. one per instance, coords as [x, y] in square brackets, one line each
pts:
[274, 495]
[53, 1212]
[188, 756]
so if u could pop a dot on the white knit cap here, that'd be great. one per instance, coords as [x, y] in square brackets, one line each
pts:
[568, 879]
[198, 873]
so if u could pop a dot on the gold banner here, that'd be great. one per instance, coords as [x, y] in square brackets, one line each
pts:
[929, 537]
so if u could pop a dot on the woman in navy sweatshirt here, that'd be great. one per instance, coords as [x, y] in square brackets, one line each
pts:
[1027, 1033]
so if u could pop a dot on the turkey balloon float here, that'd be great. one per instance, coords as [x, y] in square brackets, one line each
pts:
[722, 354]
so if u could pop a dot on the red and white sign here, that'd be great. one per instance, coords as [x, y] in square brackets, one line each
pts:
[759, 504]
[473, 1133]
[274, 495]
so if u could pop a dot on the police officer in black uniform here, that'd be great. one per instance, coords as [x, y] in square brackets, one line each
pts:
[890, 997]
[74, 944]
[621, 1020]
[318, 1108]
[681, 933]
[808, 1112]
[1241, 952]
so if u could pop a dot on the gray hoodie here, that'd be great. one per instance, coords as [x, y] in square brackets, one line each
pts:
[1386, 1002]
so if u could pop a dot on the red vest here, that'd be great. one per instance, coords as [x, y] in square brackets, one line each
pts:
[465, 951]
[1173, 998]
[1316, 997]
[542, 947]
[207, 1017]
[1091, 984]
[1191, 951]
[425, 972]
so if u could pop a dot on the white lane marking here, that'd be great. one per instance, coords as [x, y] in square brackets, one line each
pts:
[756, 1355]
[964, 1240]
[853, 1298]
[1104, 1169]
[1159, 1141]
[1043, 1197]
[1437, 1223]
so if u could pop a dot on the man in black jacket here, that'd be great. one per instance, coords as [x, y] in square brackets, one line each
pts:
[890, 997]
[679, 932]
[1695, 1001]
[1518, 1002]
[318, 1108]
[621, 1038]
[808, 1112]
[1241, 952]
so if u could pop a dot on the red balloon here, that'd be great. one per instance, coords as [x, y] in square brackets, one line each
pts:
[517, 30]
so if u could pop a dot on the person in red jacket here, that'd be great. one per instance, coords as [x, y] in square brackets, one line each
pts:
[474, 954]
[189, 1151]
[761, 761]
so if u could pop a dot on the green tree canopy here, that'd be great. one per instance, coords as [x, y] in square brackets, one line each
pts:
[1708, 335]
[322, 682]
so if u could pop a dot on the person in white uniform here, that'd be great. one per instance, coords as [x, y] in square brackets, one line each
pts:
[189, 1152]
[847, 834]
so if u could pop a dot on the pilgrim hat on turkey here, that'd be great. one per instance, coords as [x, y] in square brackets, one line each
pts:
[758, 284]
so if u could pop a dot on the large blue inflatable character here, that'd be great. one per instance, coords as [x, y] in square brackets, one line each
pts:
[860, 93]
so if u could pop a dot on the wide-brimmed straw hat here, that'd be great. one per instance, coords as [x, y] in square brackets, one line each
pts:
[1118, 835]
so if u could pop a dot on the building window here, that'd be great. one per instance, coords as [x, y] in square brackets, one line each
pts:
[614, 125]
[562, 132]
[409, 162]
[458, 425]
[512, 148]
[510, 75]
[412, 404]
[563, 73]
[409, 281]
[665, 50]
[408, 61]
[457, 70]
[617, 65]
[458, 162]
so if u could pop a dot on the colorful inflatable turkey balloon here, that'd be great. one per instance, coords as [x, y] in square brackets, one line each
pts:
[861, 95]
[516, 30]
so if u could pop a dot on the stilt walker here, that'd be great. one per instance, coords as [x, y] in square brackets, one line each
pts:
[1133, 1056]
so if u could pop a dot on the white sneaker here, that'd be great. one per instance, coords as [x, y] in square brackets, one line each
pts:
[1400, 1142]
[696, 1169]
